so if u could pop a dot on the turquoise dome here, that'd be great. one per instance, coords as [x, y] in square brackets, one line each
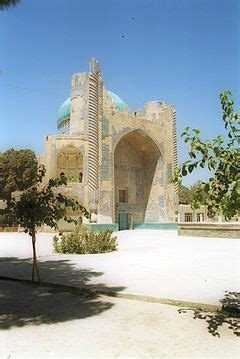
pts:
[117, 101]
[64, 111]
[63, 122]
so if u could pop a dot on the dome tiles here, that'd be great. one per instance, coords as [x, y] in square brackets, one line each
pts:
[117, 101]
[64, 110]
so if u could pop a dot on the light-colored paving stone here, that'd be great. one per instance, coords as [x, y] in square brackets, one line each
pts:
[152, 263]
[38, 322]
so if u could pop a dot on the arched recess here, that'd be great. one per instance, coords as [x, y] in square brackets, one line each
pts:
[138, 179]
[70, 163]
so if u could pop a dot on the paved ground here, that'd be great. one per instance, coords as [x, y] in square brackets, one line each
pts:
[152, 263]
[38, 322]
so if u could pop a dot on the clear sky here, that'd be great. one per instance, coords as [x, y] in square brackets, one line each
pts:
[180, 51]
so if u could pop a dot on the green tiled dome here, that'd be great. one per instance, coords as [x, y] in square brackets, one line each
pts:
[117, 101]
[64, 111]
[63, 122]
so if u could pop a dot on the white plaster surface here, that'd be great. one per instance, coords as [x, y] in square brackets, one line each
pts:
[148, 262]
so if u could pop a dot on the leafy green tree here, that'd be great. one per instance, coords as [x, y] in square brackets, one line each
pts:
[18, 171]
[197, 194]
[5, 4]
[188, 195]
[183, 194]
[222, 158]
[40, 205]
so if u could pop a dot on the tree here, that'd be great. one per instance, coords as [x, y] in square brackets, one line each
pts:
[183, 194]
[18, 171]
[222, 158]
[5, 4]
[39, 205]
[197, 194]
[187, 195]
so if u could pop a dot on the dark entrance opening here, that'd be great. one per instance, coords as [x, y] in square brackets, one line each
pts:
[123, 221]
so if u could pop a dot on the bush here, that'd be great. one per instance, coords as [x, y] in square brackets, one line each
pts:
[80, 241]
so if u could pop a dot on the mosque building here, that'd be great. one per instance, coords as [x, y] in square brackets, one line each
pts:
[119, 164]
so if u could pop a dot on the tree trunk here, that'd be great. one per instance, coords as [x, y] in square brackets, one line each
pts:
[35, 262]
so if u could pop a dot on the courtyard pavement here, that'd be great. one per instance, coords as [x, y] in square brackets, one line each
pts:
[151, 263]
[42, 322]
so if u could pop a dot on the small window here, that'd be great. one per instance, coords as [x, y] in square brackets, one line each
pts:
[188, 217]
[123, 195]
[200, 217]
[80, 177]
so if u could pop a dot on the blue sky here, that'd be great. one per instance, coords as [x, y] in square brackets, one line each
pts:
[181, 51]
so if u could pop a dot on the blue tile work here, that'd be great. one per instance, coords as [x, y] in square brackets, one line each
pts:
[169, 173]
[105, 162]
[64, 110]
[169, 226]
[105, 202]
[161, 201]
[105, 127]
[65, 129]
[102, 227]
[117, 101]
[160, 163]
[161, 147]
[161, 207]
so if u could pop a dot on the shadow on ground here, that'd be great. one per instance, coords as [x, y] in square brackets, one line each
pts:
[23, 304]
[229, 314]
[61, 271]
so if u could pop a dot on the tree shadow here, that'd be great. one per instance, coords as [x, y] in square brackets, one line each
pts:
[25, 303]
[63, 271]
[229, 314]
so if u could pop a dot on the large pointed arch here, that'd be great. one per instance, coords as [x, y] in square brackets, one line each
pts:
[137, 177]
[138, 131]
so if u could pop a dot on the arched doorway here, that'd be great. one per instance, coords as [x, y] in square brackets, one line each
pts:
[138, 177]
[70, 163]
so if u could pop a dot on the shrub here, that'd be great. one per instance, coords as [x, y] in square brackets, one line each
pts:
[80, 241]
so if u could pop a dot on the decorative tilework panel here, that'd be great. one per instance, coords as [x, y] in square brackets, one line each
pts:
[169, 173]
[105, 162]
[105, 127]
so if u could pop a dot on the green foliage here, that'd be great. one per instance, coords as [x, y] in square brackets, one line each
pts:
[188, 195]
[5, 4]
[183, 194]
[80, 241]
[197, 194]
[18, 171]
[72, 178]
[222, 158]
[40, 205]
[44, 205]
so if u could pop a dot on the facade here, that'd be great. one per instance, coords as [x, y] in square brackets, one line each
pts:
[187, 214]
[119, 164]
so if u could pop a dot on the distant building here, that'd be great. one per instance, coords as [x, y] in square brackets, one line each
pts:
[119, 164]
[187, 214]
